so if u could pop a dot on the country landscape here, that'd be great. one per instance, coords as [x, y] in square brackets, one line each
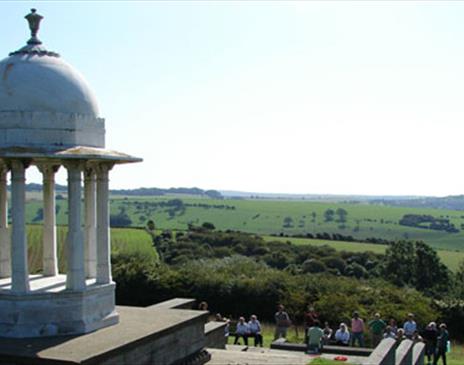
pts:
[240, 245]
[232, 183]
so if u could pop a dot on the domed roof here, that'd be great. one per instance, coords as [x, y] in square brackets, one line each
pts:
[33, 79]
[33, 82]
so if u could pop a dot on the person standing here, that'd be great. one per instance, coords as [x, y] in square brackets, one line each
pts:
[430, 336]
[409, 326]
[357, 330]
[393, 325]
[442, 345]
[310, 316]
[315, 335]
[377, 326]
[282, 322]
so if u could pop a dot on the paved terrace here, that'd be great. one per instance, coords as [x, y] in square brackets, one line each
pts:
[240, 355]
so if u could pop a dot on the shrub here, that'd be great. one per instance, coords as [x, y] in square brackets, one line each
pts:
[313, 266]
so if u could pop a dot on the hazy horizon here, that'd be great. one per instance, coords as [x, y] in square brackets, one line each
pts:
[339, 98]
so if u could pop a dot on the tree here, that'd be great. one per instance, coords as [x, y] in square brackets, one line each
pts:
[209, 226]
[342, 213]
[313, 216]
[418, 265]
[399, 263]
[288, 222]
[431, 275]
[329, 215]
[459, 282]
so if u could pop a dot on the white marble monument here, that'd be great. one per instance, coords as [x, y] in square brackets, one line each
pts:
[49, 119]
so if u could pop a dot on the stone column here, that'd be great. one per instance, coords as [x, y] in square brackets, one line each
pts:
[50, 262]
[75, 279]
[103, 225]
[5, 243]
[90, 231]
[20, 272]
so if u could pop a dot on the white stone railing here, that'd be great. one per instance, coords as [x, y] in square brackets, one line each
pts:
[389, 353]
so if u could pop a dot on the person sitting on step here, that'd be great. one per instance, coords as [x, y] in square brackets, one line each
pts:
[242, 330]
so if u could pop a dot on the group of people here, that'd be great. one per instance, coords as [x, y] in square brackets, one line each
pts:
[252, 328]
[244, 330]
[436, 338]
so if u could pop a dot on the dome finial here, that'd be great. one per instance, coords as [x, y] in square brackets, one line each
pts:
[34, 23]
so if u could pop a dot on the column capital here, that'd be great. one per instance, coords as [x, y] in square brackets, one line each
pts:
[102, 167]
[89, 173]
[48, 168]
[19, 164]
[74, 165]
[4, 168]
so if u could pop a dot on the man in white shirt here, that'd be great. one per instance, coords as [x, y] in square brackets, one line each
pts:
[342, 336]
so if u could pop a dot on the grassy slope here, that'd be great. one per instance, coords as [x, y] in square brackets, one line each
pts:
[450, 258]
[122, 240]
[266, 217]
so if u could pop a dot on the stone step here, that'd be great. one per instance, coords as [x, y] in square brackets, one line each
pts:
[237, 356]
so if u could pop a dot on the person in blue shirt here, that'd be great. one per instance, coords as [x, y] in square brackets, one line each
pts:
[410, 326]
[342, 336]
[255, 330]
[241, 330]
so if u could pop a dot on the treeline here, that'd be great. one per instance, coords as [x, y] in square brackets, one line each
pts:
[405, 263]
[238, 285]
[240, 273]
[214, 194]
[428, 222]
[336, 237]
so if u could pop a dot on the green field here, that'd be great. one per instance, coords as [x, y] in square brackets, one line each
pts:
[267, 217]
[123, 240]
[452, 259]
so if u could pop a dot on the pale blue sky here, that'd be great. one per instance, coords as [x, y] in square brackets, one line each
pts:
[291, 97]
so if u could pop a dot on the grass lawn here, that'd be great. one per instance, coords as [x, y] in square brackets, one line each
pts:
[321, 361]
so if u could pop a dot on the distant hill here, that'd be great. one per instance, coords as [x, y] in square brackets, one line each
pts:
[455, 202]
[316, 197]
[214, 194]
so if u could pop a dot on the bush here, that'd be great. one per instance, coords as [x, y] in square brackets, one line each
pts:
[313, 266]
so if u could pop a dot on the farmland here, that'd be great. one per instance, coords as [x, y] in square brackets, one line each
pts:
[268, 217]
[123, 240]
[451, 258]
[276, 217]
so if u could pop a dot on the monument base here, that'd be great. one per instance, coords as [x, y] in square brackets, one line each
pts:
[48, 309]
[152, 335]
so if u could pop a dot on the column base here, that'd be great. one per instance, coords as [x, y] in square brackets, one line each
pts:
[49, 309]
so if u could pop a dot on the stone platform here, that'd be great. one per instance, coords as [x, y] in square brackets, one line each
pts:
[49, 309]
[42, 284]
[160, 336]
